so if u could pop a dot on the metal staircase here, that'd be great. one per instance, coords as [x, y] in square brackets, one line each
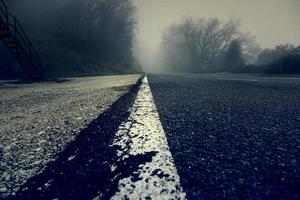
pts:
[17, 42]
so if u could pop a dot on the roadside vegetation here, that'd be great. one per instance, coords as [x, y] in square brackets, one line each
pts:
[213, 45]
[77, 37]
[282, 59]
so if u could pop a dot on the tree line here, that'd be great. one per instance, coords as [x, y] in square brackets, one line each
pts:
[281, 59]
[77, 37]
[213, 45]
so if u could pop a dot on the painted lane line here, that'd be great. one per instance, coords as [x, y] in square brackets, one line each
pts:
[143, 135]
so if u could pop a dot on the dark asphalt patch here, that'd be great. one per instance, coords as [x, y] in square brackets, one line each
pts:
[232, 139]
[82, 170]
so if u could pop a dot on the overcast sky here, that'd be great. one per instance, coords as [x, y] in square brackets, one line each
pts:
[271, 21]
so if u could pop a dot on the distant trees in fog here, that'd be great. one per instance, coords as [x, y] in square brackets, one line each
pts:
[80, 36]
[268, 56]
[233, 58]
[102, 27]
[212, 45]
[281, 59]
[207, 45]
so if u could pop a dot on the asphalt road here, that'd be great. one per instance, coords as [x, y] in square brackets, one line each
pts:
[160, 137]
[38, 121]
[232, 137]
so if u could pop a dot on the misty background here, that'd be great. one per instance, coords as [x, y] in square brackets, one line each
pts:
[78, 37]
[271, 22]
[100, 37]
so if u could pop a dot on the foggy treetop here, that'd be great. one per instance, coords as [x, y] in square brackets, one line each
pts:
[94, 37]
[80, 36]
[272, 22]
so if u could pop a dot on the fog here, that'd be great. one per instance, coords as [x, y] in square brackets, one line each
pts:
[272, 22]
[74, 37]
[102, 37]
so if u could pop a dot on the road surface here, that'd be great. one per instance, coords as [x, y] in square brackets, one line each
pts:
[37, 121]
[179, 136]
[232, 137]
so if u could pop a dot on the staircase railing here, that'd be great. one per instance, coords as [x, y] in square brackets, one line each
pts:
[24, 40]
[3, 12]
[14, 28]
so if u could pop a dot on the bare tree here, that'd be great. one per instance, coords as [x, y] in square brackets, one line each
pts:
[202, 42]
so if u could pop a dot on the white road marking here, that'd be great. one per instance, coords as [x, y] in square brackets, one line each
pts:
[143, 134]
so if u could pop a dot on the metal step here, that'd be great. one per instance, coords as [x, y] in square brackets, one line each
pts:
[17, 42]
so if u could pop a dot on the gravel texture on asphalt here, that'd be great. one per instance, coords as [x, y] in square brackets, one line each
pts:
[232, 137]
[37, 121]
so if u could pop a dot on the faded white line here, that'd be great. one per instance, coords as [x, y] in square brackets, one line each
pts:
[143, 134]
